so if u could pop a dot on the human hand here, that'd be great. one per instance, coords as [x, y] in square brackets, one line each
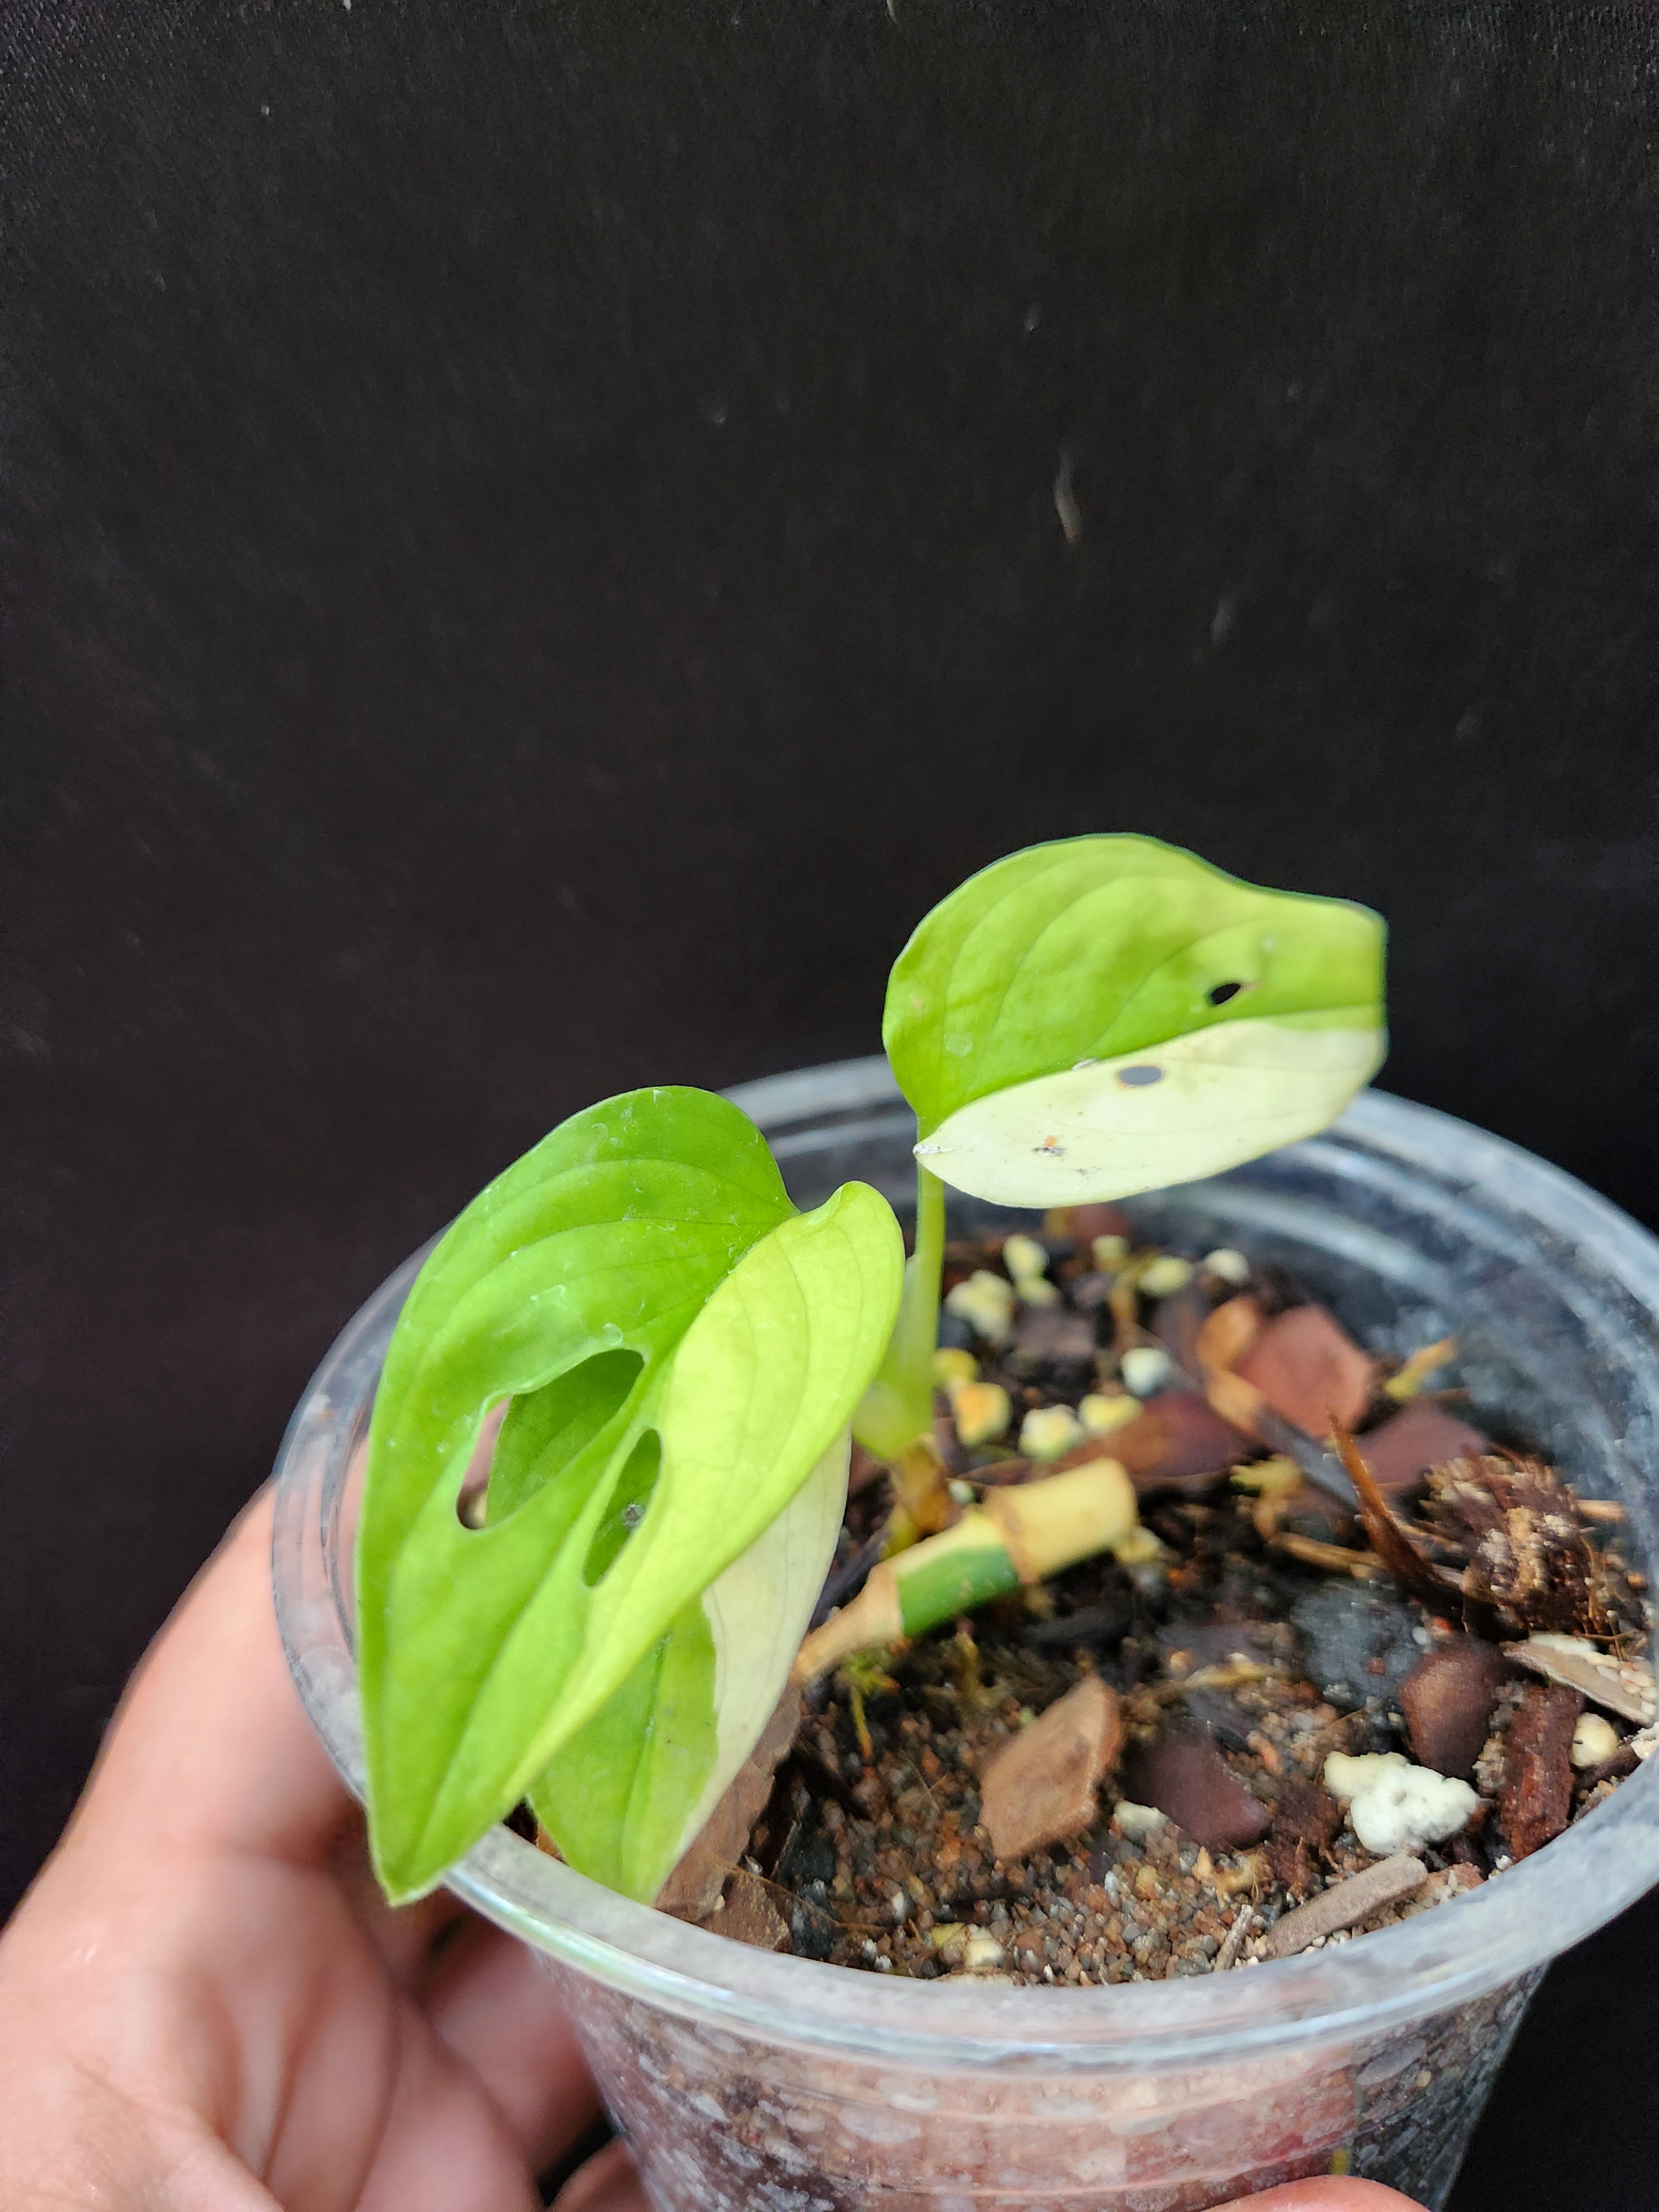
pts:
[205, 2005]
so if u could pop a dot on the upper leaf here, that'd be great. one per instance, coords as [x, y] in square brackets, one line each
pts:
[681, 1348]
[1106, 1014]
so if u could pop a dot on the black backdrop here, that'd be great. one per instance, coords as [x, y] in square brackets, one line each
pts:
[533, 554]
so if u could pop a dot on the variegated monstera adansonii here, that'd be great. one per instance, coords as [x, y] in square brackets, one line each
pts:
[681, 1351]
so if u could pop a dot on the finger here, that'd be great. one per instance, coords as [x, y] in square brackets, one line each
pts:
[405, 1937]
[497, 2010]
[443, 2148]
[607, 2183]
[211, 1748]
[1333, 2194]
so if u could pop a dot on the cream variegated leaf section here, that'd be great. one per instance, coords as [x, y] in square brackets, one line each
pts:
[758, 1612]
[1191, 1106]
[631, 1792]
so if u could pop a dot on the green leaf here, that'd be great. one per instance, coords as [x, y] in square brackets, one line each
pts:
[1108, 1014]
[681, 1348]
[632, 1788]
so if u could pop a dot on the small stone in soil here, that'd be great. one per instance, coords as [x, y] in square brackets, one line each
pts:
[1358, 1642]
[1447, 1699]
[1594, 1741]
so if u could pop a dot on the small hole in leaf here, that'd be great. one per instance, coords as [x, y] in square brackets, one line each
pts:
[1218, 994]
[1138, 1077]
[470, 1504]
[627, 1508]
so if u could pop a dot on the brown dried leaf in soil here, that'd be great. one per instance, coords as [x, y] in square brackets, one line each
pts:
[1307, 1822]
[1177, 1442]
[1447, 1700]
[1527, 1545]
[1400, 1451]
[1041, 1786]
[1182, 1773]
[1309, 1370]
[1537, 1800]
[748, 1915]
[692, 1890]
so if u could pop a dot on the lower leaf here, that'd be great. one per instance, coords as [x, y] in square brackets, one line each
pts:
[630, 1791]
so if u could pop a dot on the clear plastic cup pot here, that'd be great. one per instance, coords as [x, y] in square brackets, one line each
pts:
[771, 2083]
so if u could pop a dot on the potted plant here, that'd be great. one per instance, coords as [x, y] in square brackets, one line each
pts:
[680, 1352]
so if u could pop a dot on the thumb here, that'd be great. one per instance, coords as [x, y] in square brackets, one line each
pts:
[1332, 2195]
[211, 1747]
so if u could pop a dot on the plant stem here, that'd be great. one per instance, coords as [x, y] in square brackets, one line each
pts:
[916, 1337]
[1022, 1535]
[898, 1406]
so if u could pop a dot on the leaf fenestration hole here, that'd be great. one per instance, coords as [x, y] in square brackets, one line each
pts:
[1138, 1077]
[629, 1503]
[1218, 994]
[545, 1430]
